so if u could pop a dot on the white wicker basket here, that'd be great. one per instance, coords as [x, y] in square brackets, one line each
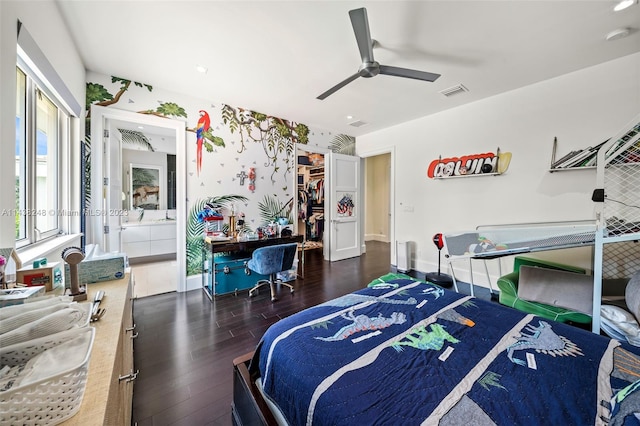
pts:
[50, 400]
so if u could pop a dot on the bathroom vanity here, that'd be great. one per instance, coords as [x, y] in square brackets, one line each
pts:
[149, 238]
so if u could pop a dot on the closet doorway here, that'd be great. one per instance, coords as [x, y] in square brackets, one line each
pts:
[311, 195]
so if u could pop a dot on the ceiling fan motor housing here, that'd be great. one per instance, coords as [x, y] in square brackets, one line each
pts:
[369, 69]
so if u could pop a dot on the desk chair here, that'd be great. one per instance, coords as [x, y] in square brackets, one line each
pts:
[269, 261]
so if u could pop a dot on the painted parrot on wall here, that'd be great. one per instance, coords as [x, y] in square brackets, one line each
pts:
[204, 123]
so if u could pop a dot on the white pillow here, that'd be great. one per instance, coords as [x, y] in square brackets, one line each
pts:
[632, 294]
[620, 324]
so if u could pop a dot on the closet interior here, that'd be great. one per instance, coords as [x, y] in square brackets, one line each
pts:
[311, 196]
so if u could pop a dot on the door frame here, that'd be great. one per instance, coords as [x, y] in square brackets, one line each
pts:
[314, 150]
[99, 115]
[392, 203]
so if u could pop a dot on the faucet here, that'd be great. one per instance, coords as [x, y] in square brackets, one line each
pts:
[140, 211]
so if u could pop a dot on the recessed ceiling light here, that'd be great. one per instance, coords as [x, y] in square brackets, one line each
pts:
[140, 127]
[617, 34]
[349, 117]
[622, 5]
[202, 69]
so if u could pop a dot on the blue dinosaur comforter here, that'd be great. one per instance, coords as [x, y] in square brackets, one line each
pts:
[408, 352]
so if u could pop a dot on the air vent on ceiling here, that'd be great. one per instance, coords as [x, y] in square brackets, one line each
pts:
[357, 123]
[454, 90]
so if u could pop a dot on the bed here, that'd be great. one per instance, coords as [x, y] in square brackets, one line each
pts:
[403, 351]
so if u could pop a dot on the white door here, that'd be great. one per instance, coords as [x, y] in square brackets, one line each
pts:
[112, 189]
[344, 209]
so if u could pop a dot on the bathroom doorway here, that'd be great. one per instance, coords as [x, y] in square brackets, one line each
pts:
[130, 137]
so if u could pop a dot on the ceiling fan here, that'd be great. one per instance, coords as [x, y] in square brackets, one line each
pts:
[369, 67]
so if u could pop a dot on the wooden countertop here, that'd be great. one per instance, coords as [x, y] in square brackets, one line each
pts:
[101, 364]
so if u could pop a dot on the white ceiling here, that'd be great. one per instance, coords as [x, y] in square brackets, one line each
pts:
[276, 57]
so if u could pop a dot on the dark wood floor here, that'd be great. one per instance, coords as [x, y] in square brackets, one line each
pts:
[186, 344]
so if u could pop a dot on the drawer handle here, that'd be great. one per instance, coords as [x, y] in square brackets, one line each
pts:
[130, 328]
[129, 377]
[133, 336]
[226, 269]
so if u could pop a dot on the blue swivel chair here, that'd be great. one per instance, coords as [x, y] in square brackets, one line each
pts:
[269, 261]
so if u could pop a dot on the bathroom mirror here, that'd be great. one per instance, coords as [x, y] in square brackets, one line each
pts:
[142, 169]
[147, 190]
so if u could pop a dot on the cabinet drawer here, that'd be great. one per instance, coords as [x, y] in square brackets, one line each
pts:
[135, 233]
[162, 247]
[163, 232]
[136, 249]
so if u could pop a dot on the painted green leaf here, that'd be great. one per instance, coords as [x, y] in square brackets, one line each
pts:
[97, 93]
[171, 109]
[217, 141]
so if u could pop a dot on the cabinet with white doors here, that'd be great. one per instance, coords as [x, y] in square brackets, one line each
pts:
[148, 239]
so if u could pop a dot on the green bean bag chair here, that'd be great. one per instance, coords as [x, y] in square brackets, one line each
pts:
[508, 285]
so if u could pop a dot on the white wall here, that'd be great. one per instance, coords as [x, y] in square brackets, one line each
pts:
[44, 23]
[580, 109]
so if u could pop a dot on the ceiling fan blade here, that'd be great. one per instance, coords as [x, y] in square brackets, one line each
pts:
[404, 72]
[360, 24]
[338, 86]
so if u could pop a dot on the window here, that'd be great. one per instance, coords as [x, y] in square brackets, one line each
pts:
[41, 130]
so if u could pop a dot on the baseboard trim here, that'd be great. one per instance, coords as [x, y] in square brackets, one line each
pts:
[194, 282]
[377, 237]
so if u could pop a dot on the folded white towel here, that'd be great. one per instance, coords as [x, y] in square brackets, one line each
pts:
[56, 322]
[37, 303]
[13, 322]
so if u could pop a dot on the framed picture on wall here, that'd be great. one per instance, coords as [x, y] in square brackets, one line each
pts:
[146, 187]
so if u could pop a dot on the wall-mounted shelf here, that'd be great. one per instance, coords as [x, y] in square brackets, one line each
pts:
[581, 159]
[471, 165]
[466, 176]
[568, 169]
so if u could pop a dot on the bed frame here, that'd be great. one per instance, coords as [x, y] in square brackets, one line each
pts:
[248, 407]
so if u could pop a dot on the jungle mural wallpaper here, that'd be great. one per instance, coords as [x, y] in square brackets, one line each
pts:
[238, 160]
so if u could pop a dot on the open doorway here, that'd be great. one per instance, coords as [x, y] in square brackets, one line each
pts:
[377, 219]
[379, 198]
[328, 202]
[311, 198]
[109, 155]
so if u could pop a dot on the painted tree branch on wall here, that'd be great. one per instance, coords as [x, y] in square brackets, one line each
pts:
[277, 136]
[97, 94]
